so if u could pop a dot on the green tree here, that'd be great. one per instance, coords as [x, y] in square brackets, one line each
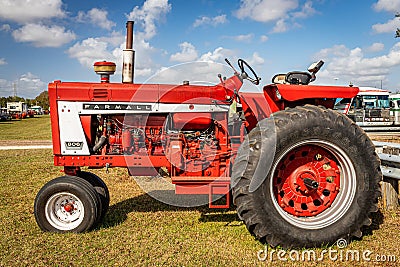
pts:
[15, 99]
[42, 100]
[3, 102]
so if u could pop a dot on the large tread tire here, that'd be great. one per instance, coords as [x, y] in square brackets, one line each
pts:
[260, 210]
[81, 216]
[101, 189]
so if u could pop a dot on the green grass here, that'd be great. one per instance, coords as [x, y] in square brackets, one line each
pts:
[138, 230]
[36, 128]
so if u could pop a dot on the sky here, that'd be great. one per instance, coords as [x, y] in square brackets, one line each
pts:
[47, 40]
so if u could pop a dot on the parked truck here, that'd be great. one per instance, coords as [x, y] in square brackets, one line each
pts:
[370, 109]
[37, 110]
[18, 110]
[395, 108]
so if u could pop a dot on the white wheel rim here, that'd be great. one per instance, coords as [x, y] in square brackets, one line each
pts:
[343, 200]
[64, 211]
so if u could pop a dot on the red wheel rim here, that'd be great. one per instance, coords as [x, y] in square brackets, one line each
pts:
[306, 181]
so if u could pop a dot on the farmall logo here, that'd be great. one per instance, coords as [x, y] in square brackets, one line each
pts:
[71, 145]
[135, 107]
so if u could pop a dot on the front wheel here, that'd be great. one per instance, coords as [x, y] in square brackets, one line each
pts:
[67, 204]
[101, 188]
[323, 182]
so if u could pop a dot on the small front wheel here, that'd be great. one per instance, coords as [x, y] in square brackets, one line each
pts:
[67, 204]
[101, 189]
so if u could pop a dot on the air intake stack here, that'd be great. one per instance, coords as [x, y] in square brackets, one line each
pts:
[128, 55]
[104, 69]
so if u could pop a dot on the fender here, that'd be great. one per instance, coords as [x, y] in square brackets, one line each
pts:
[257, 106]
[291, 92]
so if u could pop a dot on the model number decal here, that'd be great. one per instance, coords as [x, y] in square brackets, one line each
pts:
[73, 145]
[116, 107]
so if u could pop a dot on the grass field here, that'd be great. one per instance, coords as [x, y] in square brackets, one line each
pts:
[36, 128]
[140, 231]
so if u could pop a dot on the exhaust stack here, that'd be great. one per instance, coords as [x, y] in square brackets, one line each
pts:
[128, 55]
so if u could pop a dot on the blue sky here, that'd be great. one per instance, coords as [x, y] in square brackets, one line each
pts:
[46, 40]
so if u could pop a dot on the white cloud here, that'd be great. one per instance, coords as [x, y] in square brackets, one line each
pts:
[280, 26]
[6, 88]
[283, 13]
[188, 53]
[115, 38]
[97, 17]
[30, 86]
[199, 72]
[27, 85]
[24, 11]
[336, 50]
[89, 51]
[221, 19]
[242, 37]
[351, 65]
[255, 59]
[5, 28]
[203, 70]
[43, 36]
[218, 55]
[144, 63]
[110, 47]
[388, 27]
[3, 61]
[387, 5]
[147, 16]
[263, 38]
[306, 11]
[265, 10]
[151, 12]
[376, 47]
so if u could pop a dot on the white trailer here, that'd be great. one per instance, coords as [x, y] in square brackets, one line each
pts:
[17, 107]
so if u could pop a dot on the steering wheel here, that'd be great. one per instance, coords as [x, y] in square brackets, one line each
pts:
[242, 64]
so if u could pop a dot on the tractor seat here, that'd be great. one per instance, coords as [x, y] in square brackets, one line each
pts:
[298, 77]
[294, 77]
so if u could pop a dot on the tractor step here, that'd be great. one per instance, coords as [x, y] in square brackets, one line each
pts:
[211, 186]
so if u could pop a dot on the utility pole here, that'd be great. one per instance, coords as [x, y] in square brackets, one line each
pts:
[15, 89]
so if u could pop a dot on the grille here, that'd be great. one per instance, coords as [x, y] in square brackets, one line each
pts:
[100, 93]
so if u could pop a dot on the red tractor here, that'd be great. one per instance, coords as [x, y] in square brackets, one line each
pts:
[299, 173]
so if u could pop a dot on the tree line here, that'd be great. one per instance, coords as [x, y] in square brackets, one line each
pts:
[41, 100]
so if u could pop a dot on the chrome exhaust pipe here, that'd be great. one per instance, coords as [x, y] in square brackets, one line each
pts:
[128, 56]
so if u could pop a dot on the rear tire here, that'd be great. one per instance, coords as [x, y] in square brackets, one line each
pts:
[323, 184]
[67, 204]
